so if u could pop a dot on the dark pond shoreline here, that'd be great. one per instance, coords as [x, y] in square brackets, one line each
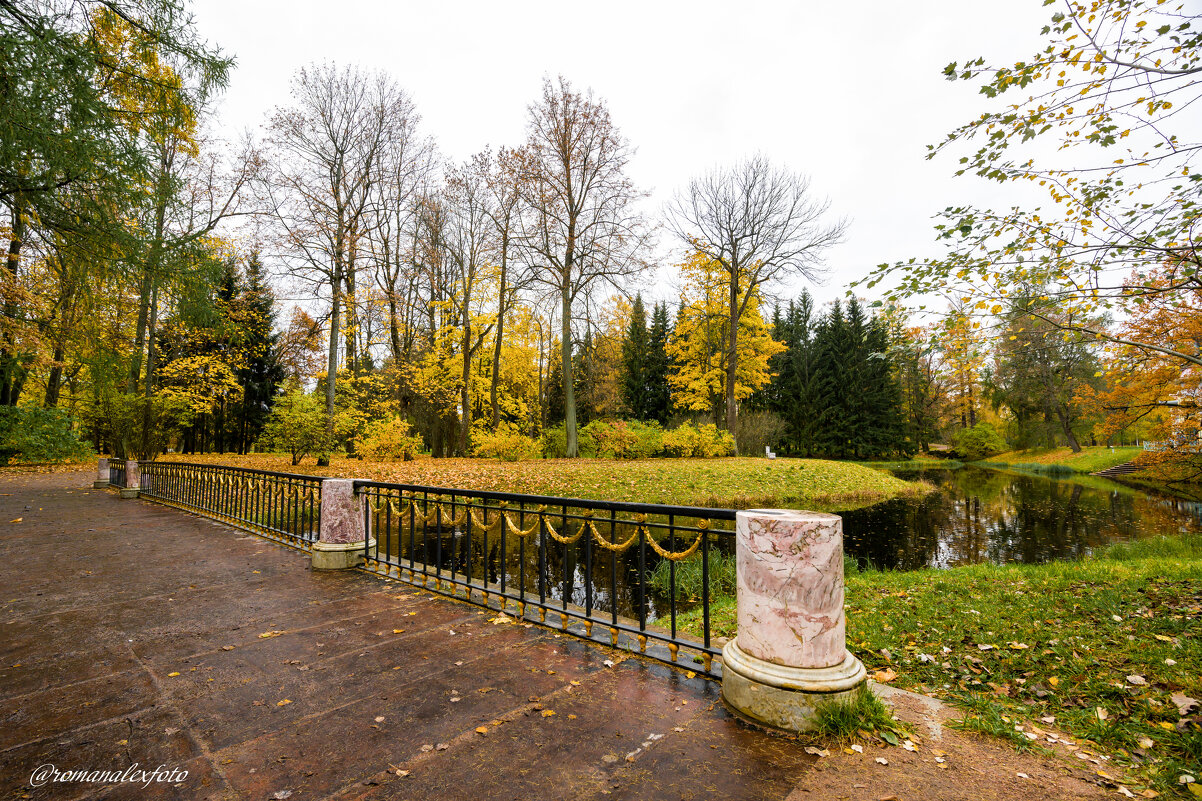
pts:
[999, 515]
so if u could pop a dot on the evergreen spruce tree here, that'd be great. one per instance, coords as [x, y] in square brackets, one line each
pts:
[254, 313]
[635, 354]
[857, 386]
[658, 404]
[798, 400]
[832, 354]
[883, 397]
[835, 385]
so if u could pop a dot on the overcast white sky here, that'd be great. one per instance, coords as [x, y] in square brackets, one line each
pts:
[849, 95]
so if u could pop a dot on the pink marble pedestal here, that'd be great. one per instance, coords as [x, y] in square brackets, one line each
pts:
[102, 474]
[133, 480]
[342, 533]
[790, 655]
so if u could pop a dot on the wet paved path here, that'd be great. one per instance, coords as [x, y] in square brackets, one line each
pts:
[134, 633]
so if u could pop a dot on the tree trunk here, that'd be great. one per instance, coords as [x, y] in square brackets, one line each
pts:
[465, 397]
[1068, 431]
[8, 354]
[394, 329]
[55, 379]
[496, 352]
[323, 459]
[569, 390]
[732, 359]
[542, 391]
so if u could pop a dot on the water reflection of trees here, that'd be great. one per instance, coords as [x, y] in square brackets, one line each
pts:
[994, 516]
[584, 574]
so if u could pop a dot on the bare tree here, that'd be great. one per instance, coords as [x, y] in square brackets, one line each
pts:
[407, 163]
[582, 227]
[469, 240]
[504, 184]
[328, 155]
[760, 224]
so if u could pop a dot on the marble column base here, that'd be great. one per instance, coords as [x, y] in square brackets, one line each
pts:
[338, 555]
[98, 484]
[785, 697]
[129, 492]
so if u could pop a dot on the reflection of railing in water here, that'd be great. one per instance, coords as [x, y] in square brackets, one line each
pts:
[282, 506]
[117, 474]
[546, 553]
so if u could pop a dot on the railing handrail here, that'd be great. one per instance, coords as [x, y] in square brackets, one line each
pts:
[204, 466]
[553, 500]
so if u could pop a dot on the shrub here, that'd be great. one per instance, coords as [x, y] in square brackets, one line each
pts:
[621, 439]
[506, 444]
[706, 441]
[633, 439]
[978, 442]
[391, 439]
[757, 429]
[34, 434]
[554, 442]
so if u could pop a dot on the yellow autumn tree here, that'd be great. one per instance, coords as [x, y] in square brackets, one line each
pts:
[963, 349]
[699, 347]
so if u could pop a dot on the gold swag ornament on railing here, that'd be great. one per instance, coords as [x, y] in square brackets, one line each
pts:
[432, 516]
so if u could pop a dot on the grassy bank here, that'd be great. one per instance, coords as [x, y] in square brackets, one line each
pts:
[732, 483]
[1089, 460]
[1102, 650]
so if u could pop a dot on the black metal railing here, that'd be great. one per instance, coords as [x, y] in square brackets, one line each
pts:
[117, 474]
[609, 570]
[282, 506]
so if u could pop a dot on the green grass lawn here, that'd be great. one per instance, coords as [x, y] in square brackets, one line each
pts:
[1089, 460]
[729, 483]
[1105, 648]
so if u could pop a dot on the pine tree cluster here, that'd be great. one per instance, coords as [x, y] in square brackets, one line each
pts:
[645, 364]
[835, 384]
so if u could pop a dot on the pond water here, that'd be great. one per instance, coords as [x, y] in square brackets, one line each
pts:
[1000, 516]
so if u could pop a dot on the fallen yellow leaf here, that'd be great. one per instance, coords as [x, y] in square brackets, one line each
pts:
[285, 702]
[176, 673]
[18, 520]
[548, 713]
